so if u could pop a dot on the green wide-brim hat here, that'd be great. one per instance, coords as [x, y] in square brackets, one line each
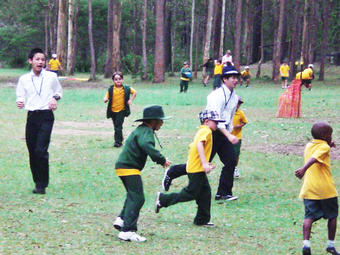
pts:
[153, 112]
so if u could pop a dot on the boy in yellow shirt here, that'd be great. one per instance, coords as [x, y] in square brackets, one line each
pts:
[318, 189]
[217, 74]
[245, 76]
[284, 72]
[54, 64]
[197, 168]
[239, 121]
[118, 96]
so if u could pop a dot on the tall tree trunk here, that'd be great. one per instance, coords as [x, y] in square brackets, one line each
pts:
[257, 28]
[258, 73]
[324, 43]
[109, 44]
[93, 56]
[248, 31]
[304, 44]
[46, 31]
[143, 27]
[116, 60]
[278, 42]
[192, 31]
[220, 52]
[167, 37]
[196, 48]
[216, 30]
[135, 37]
[295, 36]
[206, 51]
[62, 35]
[159, 43]
[276, 10]
[73, 9]
[312, 31]
[173, 37]
[51, 26]
[237, 38]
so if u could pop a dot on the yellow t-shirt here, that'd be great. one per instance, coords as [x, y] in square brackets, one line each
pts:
[298, 76]
[239, 118]
[284, 70]
[245, 73]
[118, 101]
[307, 74]
[318, 182]
[54, 64]
[194, 164]
[218, 69]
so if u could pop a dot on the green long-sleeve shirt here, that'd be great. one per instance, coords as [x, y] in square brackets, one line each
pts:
[139, 145]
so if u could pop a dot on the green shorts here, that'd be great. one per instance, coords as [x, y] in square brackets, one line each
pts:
[237, 148]
[325, 208]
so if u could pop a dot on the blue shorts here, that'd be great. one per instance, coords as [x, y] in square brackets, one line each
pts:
[316, 209]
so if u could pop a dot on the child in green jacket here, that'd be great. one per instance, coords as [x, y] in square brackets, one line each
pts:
[131, 161]
[185, 77]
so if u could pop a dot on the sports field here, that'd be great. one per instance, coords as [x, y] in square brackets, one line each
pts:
[85, 195]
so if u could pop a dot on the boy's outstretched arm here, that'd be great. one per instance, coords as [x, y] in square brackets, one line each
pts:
[299, 173]
[206, 165]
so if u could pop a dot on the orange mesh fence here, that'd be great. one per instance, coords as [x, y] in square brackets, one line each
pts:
[290, 101]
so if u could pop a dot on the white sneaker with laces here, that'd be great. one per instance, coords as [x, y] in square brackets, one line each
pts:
[236, 173]
[131, 236]
[118, 223]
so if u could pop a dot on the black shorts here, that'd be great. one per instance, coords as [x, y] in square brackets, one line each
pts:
[245, 78]
[284, 78]
[316, 209]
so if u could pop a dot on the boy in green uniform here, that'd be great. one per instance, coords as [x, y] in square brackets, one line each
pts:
[198, 167]
[318, 189]
[185, 77]
[131, 161]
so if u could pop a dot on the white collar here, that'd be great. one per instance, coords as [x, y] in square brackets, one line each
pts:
[34, 75]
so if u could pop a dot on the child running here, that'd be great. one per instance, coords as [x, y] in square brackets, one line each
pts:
[239, 121]
[318, 189]
[245, 76]
[139, 145]
[197, 168]
[118, 96]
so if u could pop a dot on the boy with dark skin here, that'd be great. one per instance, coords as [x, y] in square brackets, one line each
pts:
[318, 189]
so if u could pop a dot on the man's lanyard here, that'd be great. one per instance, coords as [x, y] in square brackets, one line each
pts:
[41, 83]
[225, 97]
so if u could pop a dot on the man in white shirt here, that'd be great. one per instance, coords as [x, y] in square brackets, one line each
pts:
[227, 59]
[224, 101]
[38, 91]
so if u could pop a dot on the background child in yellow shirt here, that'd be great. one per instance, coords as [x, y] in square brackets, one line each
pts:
[217, 73]
[118, 96]
[197, 167]
[318, 189]
[239, 121]
[284, 72]
[245, 76]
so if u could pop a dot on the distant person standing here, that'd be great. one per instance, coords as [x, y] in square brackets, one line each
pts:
[38, 91]
[245, 76]
[227, 59]
[284, 72]
[185, 77]
[209, 68]
[54, 64]
[217, 74]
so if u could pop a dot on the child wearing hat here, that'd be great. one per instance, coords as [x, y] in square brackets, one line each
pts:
[318, 190]
[197, 168]
[239, 121]
[138, 146]
[185, 77]
[245, 76]
[54, 64]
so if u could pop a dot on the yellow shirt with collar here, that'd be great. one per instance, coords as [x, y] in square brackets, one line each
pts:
[245, 73]
[204, 134]
[218, 69]
[284, 70]
[118, 103]
[318, 183]
[239, 118]
[307, 74]
[54, 64]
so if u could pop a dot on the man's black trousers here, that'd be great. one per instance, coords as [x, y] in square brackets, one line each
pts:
[38, 134]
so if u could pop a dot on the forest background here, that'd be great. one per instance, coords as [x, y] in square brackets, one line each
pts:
[149, 38]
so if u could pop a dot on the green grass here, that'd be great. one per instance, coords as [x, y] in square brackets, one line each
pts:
[85, 195]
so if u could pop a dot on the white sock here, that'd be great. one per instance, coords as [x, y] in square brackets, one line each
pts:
[330, 243]
[306, 243]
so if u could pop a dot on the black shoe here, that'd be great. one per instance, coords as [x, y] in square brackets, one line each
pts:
[227, 197]
[117, 144]
[208, 224]
[332, 250]
[166, 182]
[306, 251]
[39, 191]
[158, 203]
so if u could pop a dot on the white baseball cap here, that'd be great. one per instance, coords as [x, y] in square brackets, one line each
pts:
[54, 55]
[311, 65]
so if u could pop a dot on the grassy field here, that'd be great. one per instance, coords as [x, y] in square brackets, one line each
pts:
[85, 195]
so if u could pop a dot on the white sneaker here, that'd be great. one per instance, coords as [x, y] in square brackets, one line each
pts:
[118, 223]
[236, 173]
[131, 236]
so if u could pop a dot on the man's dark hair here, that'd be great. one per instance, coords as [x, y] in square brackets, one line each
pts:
[320, 130]
[35, 51]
